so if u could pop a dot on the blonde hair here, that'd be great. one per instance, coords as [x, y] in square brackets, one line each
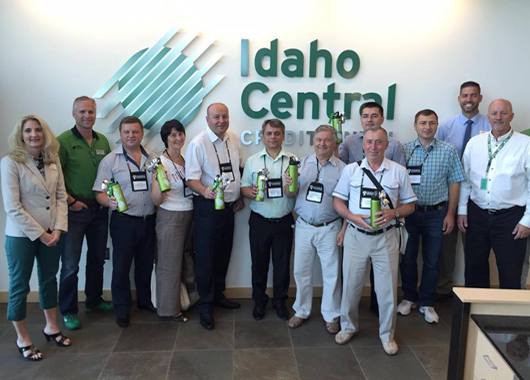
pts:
[17, 148]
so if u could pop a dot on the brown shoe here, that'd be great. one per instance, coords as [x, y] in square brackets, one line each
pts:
[295, 322]
[332, 327]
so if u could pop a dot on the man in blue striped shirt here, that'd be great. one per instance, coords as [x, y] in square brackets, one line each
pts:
[457, 131]
[435, 171]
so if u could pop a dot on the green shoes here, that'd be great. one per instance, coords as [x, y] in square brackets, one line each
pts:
[72, 322]
[103, 306]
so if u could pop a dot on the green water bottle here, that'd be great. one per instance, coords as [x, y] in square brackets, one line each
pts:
[261, 185]
[220, 198]
[114, 190]
[294, 162]
[375, 207]
[336, 120]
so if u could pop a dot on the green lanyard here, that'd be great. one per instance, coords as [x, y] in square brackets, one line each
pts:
[492, 156]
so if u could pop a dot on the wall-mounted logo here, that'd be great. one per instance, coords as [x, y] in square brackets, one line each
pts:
[158, 84]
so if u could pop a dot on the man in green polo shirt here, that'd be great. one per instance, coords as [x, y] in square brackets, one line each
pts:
[82, 149]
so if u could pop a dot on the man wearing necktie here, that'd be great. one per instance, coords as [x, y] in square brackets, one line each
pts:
[458, 131]
[494, 205]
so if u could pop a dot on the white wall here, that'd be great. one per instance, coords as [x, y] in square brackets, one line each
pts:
[55, 50]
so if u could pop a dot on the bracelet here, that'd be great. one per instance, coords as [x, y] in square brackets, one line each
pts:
[73, 203]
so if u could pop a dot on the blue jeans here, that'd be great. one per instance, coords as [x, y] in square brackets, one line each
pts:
[92, 222]
[427, 225]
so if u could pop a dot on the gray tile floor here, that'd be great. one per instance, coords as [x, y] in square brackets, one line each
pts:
[239, 348]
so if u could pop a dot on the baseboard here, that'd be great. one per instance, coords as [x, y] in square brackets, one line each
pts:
[242, 292]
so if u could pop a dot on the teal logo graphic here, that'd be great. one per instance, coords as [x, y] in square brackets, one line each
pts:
[157, 84]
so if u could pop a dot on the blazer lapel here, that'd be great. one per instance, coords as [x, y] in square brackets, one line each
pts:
[36, 172]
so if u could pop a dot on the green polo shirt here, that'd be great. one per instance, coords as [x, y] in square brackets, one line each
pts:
[80, 162]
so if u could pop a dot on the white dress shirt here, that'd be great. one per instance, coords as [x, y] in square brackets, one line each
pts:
[202, 161]
[508, 179]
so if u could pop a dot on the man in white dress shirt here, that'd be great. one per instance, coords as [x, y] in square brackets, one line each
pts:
[494, 200]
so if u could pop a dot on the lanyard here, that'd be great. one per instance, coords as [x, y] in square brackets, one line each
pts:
[265, 164]
[175, 166]
[320, 168]
[218, 160]
[380, 179]
[492, 156]
[424, 158]
[129, 159]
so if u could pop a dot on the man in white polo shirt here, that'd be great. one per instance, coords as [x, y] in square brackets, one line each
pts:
[353, 196]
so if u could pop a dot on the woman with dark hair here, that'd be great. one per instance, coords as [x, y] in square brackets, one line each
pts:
[174, 219]
[35, 204]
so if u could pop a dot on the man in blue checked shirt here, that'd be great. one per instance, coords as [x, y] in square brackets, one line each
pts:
[457, 131]
[435, 171]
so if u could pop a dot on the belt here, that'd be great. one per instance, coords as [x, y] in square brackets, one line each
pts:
[201, 198]
[320, 224]
[372, 233]
[435, 207]
[272, 220]
[499, 211]
[91, 203]
[132, 216]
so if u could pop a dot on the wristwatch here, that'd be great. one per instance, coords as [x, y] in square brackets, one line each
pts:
[397, 214]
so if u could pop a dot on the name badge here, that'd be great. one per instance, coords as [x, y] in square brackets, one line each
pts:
[274, 188]
[139, 181]
[415, 174]
[187, 191]
[100, 152]
[315, 192]
[484, 184]
[366, 197]
[227, 168]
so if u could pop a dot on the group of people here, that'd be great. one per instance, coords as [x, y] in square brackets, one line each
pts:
[471, 174]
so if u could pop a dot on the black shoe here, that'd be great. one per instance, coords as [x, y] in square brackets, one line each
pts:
[259, 312]
[148, 307]
[207, 321]
[227, 304]
[281, 311]
[123, 321]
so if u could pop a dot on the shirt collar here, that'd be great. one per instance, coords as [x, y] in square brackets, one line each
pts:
[463, 119]
[332, 160]
[122, 151]
[503, 137]
[418, 143]
[213, 137]
[282, 153]
[78, 135]
[364, 164]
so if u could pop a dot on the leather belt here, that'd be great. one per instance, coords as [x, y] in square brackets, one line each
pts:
[272, 220]
[372, 233]
[320, 224]
[435, 207]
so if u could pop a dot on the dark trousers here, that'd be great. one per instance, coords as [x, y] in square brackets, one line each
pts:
[213, 235]
[94, 223]
[267, 235]
[493, 230]
[428, 226]
[132, 238]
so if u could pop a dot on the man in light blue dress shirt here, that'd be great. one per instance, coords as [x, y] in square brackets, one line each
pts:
[457, 131]
[271, 221]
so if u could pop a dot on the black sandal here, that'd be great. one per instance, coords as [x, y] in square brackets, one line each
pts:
[59, 342]
[34, 356]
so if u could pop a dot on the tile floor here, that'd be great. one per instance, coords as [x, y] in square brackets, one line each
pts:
[239, 348]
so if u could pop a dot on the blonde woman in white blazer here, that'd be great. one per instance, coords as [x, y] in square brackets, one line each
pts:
[35, 204]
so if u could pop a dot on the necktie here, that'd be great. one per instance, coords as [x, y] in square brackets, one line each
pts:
[467, 134]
